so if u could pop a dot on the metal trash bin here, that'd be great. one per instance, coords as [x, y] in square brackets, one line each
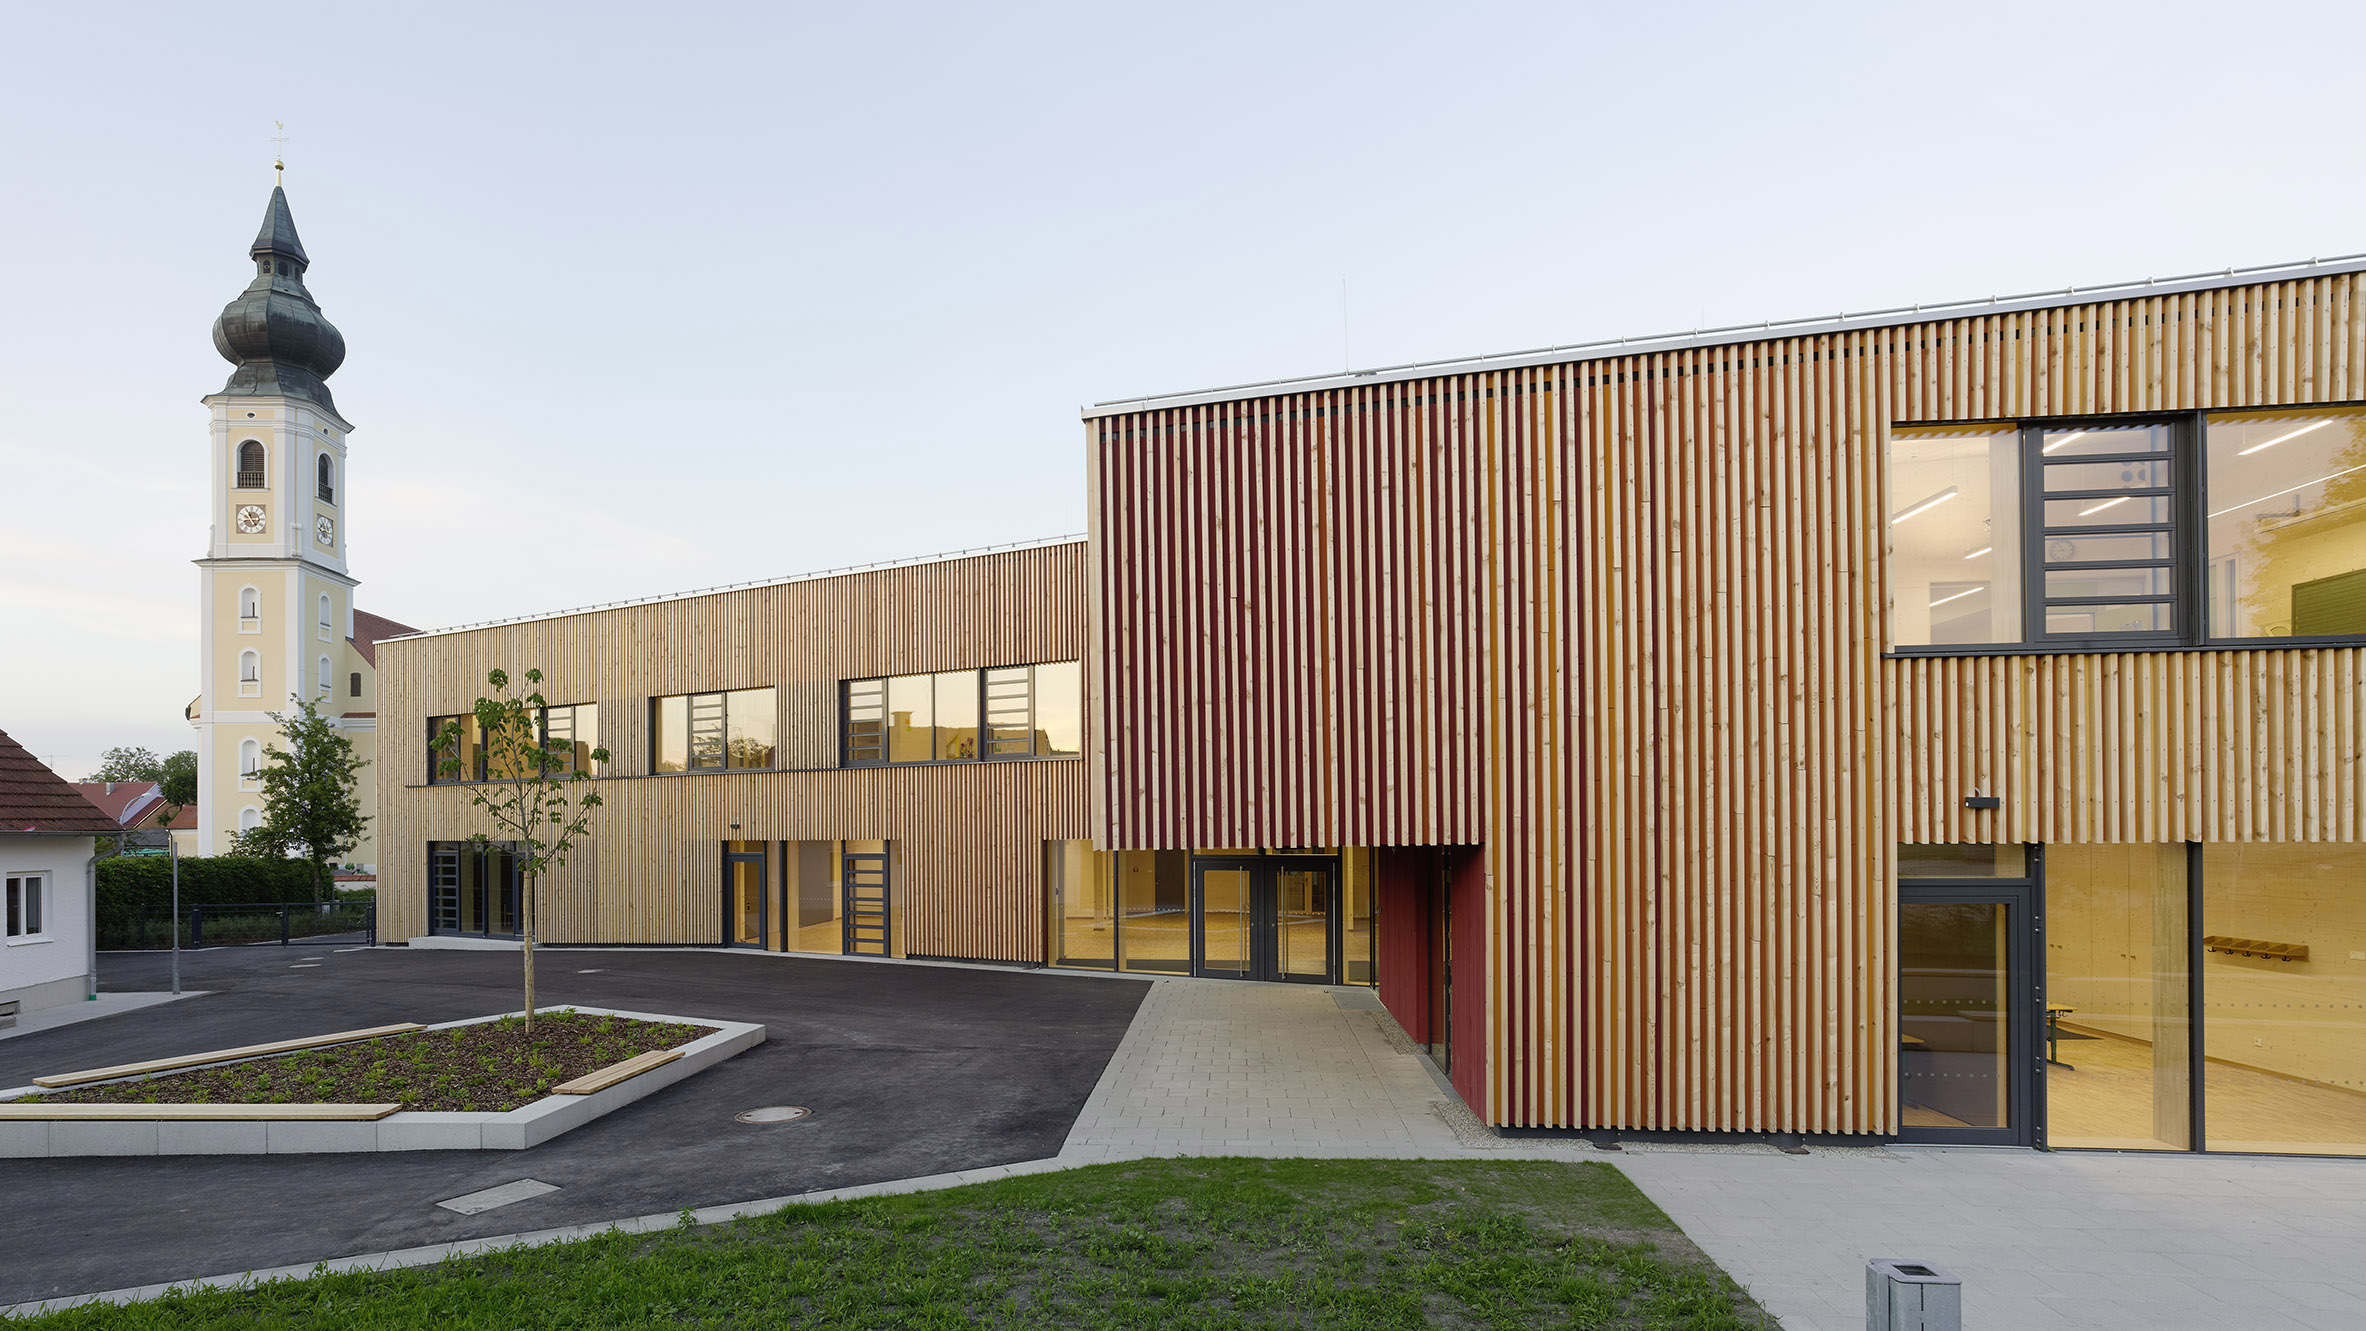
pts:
[1911, 1296]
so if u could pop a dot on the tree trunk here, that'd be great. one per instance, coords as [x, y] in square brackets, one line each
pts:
[527, 933]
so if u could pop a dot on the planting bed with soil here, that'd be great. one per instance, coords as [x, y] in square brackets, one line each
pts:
[484, 1067]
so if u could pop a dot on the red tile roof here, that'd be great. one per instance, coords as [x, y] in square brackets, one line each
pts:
[369, 630]
[128, 803]
[185, 820]
[35, 799]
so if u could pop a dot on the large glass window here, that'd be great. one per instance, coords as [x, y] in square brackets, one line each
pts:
[2287, 524]
[2118, 1006]
[2284, 997]
[1084, 905]
[1025, 711]
[713, 732]
[2135, 532]
[573, 730]
[1955, 535]
[469, 753]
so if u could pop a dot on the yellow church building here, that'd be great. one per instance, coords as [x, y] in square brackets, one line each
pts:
[279, 622]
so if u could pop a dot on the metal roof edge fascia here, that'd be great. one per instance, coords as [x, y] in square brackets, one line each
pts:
[1770, 330]
[786, 580]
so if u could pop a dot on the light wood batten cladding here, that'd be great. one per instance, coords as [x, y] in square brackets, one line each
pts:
[1621, 621]
[967, 838]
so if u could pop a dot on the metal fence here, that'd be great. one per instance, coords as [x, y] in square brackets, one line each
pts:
[263, 922]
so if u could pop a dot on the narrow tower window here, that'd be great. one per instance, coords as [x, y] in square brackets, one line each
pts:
[250, 758]
[326, 678]
[250, 668]
[327, 623]
[250, 465]
[328, 479]
[353, 689]
[250, 608]
[249, 818]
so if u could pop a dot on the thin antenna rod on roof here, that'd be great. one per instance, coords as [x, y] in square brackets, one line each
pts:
[1347, 362]
[279, 153]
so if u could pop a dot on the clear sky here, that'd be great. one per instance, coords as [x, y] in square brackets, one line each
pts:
[646, 298]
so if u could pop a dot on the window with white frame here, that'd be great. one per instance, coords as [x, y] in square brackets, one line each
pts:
[327, 618]
[327, 675]
[249, 818]
[250, 610]
[27, 893]
[250, 759]
[250, 674]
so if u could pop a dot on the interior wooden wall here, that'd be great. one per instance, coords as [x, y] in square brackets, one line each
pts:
[1621, 620]
[968, 836]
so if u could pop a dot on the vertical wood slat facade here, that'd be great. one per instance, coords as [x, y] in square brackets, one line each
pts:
[1621, 621]
[968, 837]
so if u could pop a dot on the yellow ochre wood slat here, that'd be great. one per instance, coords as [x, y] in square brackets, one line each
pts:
[223, 1055]
[321, 1113]
[616, 1072]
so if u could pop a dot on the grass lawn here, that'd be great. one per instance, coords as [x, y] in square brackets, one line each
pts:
[1333, 1244]
[489, 1067]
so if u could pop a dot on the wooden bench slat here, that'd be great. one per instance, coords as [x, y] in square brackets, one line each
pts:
[320, 1113]
[616, 1072]
[224, 1055]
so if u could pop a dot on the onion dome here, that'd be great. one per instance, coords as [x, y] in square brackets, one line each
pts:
[274, 332]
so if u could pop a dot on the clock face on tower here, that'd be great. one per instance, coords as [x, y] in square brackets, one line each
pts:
[250, 519]
[325, 531]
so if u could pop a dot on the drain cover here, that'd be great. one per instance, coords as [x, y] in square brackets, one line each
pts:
[773, 1114]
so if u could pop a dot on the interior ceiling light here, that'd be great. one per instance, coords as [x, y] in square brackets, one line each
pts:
[2275, 494]
[1985, 549]
[1957, 597]
[2282, 437]
[1925, 506]
[2075, 434]
[2108, 503]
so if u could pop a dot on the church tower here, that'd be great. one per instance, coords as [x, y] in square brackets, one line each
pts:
[277, 602]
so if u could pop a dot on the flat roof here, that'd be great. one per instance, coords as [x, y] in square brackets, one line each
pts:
[817, 575]
[1604, 348]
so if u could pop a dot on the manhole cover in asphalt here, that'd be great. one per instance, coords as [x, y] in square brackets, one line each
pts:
[773, 1114]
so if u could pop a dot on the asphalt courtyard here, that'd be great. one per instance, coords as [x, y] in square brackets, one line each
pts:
[909, 1071]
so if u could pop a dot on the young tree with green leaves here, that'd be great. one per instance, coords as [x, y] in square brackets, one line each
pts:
[529, 793]
[310, 811]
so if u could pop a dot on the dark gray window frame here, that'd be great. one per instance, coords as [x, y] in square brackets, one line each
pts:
[690, 765]
[849, 745]
[2189, 545]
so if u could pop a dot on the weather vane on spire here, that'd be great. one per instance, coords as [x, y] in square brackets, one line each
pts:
[279, 154]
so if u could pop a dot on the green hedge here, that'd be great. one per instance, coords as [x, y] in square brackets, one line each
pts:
[127, 883]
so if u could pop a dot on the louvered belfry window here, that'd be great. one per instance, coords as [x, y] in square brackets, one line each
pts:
[250, 465]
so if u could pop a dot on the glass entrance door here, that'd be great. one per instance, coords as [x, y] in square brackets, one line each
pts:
[1966, 1015]
[745, 910]
[1265, 919]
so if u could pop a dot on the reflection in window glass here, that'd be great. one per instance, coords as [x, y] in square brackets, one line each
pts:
[1956, 1044]
[957, 715]
[1059, 709]
[2287, 524]
[2118, 1019]
[753, 727]
[1022, 711]
[810, 890]
[1083, 903]
[470, 750]
[1154, 888]
[712, 732]
[576, 729]
[2285, 1039]
[911, 719]
[1967, 860]
[669, 735]
[1954, 535]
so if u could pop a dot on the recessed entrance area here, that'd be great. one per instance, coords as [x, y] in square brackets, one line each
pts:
[1240, 914]
[472, 890]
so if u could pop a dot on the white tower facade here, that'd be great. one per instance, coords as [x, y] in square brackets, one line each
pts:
[276, 599]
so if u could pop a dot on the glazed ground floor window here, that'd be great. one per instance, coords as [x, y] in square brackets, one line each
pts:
[1253, 913]
[2136, 997]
